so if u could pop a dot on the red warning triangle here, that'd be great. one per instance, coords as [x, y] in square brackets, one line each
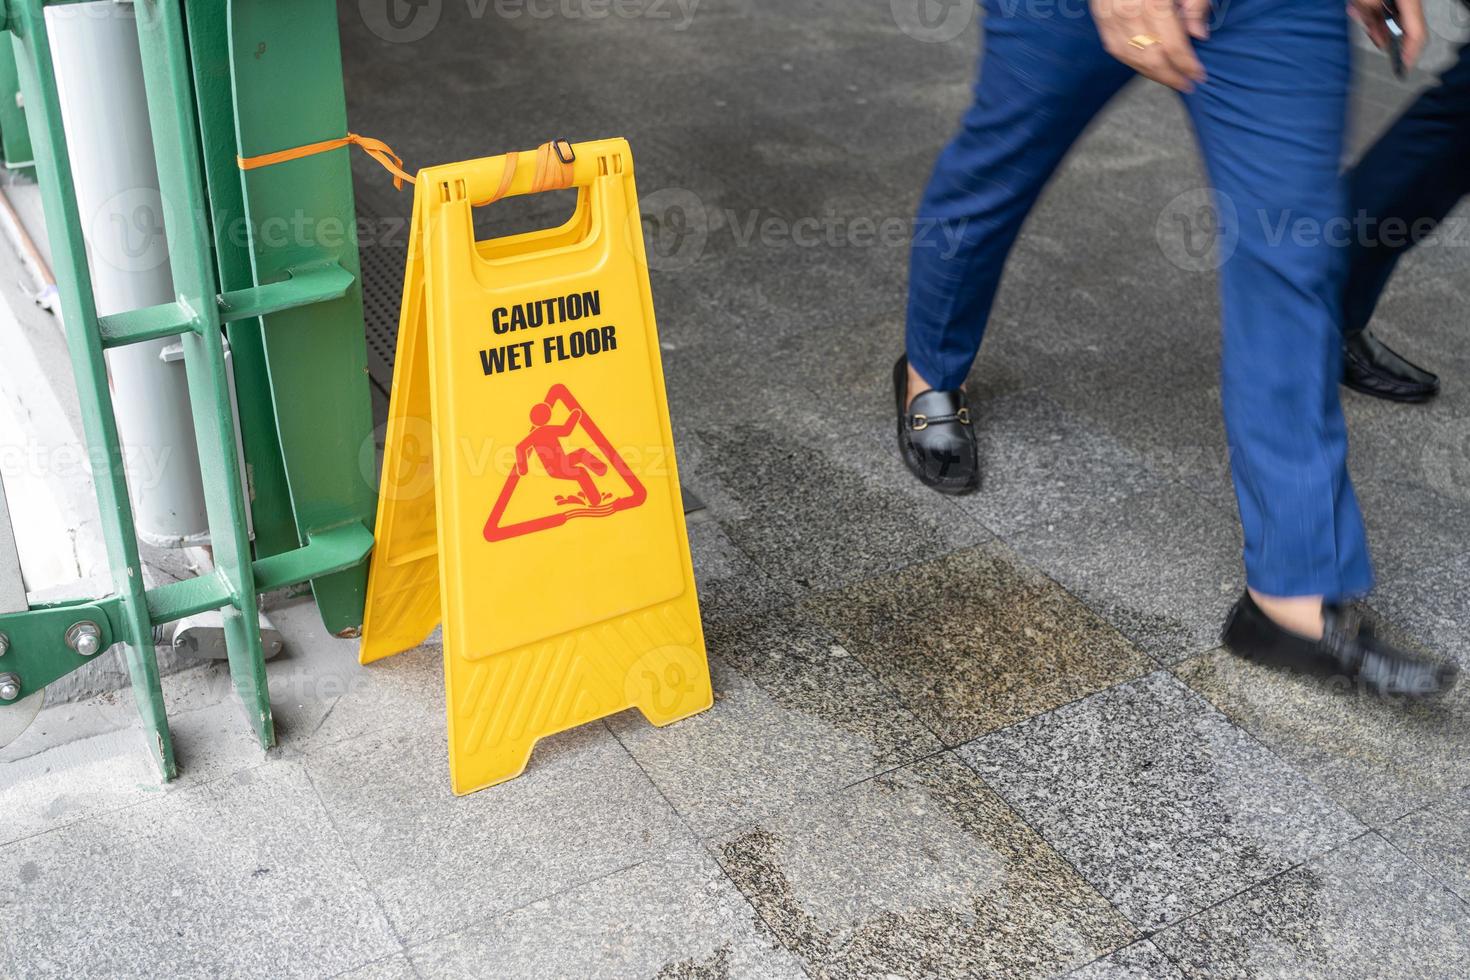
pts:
[584, 482]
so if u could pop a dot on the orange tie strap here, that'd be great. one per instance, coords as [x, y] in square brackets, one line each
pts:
[554, 170]
[374, 148]
[554, 163]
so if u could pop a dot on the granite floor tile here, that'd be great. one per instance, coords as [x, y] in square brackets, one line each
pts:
[68, 783]
[1429, 609]
[1438, 839]
[976, 640]
[823, 506]
[243, 876]
[730, 584]
[1042, 465]
[1141, 961]
[795, 715]
[439, 862]
[1157, 799]
[1379, 758]
[1163, 566]
[405, 691]
[395, 967]
[1362, 912]
[676, 916]
[1415, 529]
[920, 872]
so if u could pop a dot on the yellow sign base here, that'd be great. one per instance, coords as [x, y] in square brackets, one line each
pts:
[530, 498]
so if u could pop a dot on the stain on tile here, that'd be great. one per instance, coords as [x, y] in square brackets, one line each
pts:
[1379, 758]
[676, 916]
[1163, 566]
[976, 641]
[1362, 912]
[730, 584]
[794, 715]
[1161, 803]
[925, 872]
[820, 524]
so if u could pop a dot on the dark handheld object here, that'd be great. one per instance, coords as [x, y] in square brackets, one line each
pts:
[1395, 37]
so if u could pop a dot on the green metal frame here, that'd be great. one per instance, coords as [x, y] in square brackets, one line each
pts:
[15, 137]
[304, 438]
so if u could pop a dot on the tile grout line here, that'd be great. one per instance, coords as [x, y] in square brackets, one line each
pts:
[352, 859]
[702, 844]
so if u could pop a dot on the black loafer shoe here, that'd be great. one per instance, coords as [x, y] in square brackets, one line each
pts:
[935, 437]
[1343, 651]
[1371, 367]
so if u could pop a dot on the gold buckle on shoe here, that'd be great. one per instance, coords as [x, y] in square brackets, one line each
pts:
[963, 415]
[918, 423]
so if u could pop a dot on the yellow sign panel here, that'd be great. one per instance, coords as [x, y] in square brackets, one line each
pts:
[530, 499]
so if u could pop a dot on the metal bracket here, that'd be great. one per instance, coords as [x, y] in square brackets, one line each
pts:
[40, 649]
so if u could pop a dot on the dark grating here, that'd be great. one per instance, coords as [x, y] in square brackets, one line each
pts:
[384, 249]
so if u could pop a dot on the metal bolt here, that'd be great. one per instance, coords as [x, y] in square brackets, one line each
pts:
[4, 644]
[85, 638]
[9, 687]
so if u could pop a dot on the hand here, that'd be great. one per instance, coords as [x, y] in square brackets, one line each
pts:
[1371, 15]
[1164, 52]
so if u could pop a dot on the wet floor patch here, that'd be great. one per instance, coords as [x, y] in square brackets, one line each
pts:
[922, 872]
[976, 640]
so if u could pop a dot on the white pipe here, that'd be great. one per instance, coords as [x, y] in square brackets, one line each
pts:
[104, 109]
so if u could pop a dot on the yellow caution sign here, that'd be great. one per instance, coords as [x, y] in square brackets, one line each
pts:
[530, 500]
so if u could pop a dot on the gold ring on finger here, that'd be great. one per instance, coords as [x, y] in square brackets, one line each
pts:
[1141, 41]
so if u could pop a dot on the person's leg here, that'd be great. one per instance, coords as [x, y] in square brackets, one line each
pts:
[1398, 194]
[1043, 76]
[1406, 183]
[1271, 121]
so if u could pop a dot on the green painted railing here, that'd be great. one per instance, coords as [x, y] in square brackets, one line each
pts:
[222, 80]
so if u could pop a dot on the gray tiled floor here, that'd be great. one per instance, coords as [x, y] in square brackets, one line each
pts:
[1363, 911]
[984, 737]
[1157, 799]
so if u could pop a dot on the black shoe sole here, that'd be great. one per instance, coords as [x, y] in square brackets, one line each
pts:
[1400, 397]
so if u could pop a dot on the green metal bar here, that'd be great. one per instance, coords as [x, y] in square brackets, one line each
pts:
[84, 341]
[148, 323]
[169, 84]
[38, 654]
[329, 552]
[304, 287]
[270, 496]
[286, 67]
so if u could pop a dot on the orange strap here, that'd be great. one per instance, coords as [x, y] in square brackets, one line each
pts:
[376, 149]
[554, 170]
[554, 163]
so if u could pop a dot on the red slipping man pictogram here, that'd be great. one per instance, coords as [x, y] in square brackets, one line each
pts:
[583, 466]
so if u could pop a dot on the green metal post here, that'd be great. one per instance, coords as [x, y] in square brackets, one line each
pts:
[69, 257]
[170, 90]
[270, 495]
[287, 69]
[15, 137]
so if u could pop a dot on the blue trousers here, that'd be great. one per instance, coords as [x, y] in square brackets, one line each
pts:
[1405, 185]
[1270, 122]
